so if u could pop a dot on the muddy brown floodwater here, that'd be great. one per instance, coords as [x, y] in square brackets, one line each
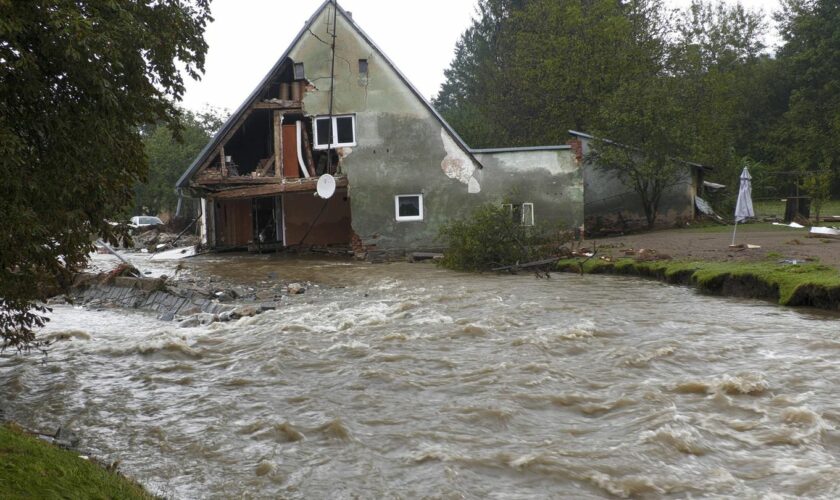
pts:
[406, 381]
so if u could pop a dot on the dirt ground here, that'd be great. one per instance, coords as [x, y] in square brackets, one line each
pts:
[712, 244]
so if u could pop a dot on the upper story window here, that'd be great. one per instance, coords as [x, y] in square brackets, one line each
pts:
[343, 129]
[299, 73]
[363, 68]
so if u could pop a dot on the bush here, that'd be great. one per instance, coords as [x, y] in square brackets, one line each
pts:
[491, 237]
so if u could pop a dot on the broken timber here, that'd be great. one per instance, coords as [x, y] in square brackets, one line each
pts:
[537, 263]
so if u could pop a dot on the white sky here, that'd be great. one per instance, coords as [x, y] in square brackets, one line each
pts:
[248, 36]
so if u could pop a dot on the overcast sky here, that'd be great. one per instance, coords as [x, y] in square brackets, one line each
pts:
[248, 36]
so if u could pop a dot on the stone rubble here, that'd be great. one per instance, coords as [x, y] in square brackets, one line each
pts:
[189, 301]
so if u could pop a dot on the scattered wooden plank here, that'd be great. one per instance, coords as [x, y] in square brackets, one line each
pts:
[420, 256]
[536, 263]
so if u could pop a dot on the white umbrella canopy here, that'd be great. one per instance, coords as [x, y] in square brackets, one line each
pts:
[744, 206]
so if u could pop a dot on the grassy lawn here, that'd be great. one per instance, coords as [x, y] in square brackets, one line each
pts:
[809, 284]
[769, 208]
[32, 468]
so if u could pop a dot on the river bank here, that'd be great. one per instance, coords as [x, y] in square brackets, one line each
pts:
[805, 285]
[35, 468]
[775, 263]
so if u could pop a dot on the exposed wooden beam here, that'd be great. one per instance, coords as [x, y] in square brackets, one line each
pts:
[278, 144]
[272, 189]
[242, 180]
[291, 106]
[265, 167]
[222, 162]
[227, 137]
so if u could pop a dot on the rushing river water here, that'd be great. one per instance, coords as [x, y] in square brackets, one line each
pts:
[405, 381]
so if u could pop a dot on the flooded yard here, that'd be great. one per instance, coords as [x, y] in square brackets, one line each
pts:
[406, 381]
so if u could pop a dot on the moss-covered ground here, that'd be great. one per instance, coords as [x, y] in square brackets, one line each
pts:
[809, 284]
[33, 468]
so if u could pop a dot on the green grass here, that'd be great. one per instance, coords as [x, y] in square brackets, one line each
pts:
[769, 208]
[795, 285]
[32, 468]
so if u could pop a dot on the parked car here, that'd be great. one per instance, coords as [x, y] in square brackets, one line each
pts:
[144, 220]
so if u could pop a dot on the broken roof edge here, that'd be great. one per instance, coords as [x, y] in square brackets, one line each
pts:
[581, 134]
[592, 137]
[183, 181]
[521, 149]
[407, 82]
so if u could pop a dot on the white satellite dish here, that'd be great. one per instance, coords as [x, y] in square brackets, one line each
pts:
[326, 186]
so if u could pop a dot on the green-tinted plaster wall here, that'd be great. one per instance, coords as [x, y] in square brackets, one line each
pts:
[401, 144]
[611, 204]
[403, 148]
[550, 179]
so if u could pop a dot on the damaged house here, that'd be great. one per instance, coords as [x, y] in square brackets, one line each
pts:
[391, 170]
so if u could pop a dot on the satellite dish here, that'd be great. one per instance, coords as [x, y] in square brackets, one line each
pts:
[326, 186]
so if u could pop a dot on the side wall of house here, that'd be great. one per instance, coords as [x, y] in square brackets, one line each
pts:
[402, 148]
[550, 179]
[612, 205]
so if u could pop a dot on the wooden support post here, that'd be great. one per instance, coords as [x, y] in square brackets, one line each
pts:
[278, 144]
[222, 163]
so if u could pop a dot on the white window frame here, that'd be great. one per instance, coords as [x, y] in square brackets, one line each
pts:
[509, 207]
[335, 143]
[522, 211]
[407, 218]
[521, 206]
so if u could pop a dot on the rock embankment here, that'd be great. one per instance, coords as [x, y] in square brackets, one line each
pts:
[190, 303]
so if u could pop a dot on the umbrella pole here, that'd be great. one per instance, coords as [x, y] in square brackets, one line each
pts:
[733, 233]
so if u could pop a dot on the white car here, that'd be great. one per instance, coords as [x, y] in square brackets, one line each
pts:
[144, 220]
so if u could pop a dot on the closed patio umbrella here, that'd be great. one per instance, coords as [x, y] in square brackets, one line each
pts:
[744, 206]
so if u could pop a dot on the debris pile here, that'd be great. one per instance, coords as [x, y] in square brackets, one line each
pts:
[192, 302]
[155, 238]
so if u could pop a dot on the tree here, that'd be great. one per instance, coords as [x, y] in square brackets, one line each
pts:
[562, 58]
[528, 71]
[470, 93]
[643, 128]
[715, 50]
[169, 156]
[645, 123]
[78, 79]
[809, 133]
[818, 186]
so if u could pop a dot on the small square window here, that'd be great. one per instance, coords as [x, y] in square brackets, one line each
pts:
[408, 207]
[299, 73]
[363, 67]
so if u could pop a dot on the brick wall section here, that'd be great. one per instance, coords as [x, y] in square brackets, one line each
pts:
[577, 148]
